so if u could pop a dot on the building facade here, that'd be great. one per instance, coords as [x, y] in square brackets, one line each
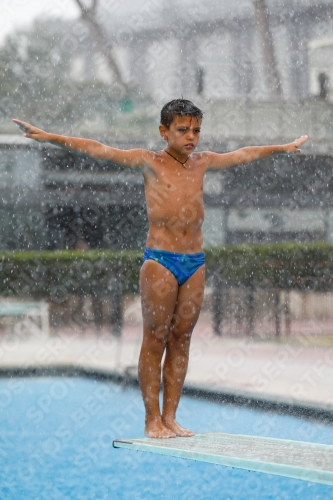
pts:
[52, 199]
[214, 48]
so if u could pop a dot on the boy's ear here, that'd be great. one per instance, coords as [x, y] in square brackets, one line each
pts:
[163, 129]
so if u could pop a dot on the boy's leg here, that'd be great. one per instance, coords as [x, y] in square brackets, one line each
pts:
[159, 290]
[189, 301]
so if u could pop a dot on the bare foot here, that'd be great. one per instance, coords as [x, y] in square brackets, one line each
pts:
[156, 429]
[177, 429]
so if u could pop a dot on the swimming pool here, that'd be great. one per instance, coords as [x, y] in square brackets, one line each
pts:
[56, 443]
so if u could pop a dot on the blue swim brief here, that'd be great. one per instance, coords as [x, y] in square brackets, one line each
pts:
[181, 265]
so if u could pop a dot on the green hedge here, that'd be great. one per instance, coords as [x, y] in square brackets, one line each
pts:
[287, 265]
[62, 273]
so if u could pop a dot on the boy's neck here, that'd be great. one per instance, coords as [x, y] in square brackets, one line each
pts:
[181, 157]
[176, 159]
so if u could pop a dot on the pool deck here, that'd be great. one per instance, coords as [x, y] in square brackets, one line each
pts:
[278, 372]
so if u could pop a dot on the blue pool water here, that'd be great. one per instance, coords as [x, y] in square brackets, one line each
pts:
[56, 443]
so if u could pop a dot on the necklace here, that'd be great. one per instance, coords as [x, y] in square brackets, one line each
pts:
[182, 163]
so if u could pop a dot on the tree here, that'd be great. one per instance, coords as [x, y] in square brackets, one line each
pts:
[271, 69]
[103, 44]
[36, 78]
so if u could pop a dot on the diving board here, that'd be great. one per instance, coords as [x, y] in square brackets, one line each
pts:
[295, 459]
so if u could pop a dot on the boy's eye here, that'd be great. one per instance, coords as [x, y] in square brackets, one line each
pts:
[182, 130]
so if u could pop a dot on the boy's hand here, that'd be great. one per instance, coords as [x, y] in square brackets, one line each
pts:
[293, 147]
[32, 132]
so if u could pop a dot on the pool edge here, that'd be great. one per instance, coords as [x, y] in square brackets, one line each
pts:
[234, 398]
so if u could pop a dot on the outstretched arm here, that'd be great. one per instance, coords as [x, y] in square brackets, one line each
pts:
[95, 149]
[252, 153]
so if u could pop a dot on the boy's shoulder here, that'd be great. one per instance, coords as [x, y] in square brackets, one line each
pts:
[202, 157]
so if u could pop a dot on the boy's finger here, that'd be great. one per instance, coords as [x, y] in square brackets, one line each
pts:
[19, 121]
[23, 126]
[26, 127]
[302, 139]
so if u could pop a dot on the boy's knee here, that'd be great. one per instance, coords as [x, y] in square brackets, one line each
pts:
[179, 328]
[159, 333]
[181, 337]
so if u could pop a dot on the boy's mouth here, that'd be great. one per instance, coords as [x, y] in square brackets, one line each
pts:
[189, 146]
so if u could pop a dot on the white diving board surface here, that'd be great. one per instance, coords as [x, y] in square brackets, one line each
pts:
[295, 459]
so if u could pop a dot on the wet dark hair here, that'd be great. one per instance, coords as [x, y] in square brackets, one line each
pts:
[179, 107]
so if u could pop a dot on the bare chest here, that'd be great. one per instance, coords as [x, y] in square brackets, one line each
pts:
[174, 187]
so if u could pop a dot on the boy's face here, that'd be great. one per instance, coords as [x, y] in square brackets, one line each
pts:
[183, 134]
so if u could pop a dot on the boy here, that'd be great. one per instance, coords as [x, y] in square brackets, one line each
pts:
[173, 271]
